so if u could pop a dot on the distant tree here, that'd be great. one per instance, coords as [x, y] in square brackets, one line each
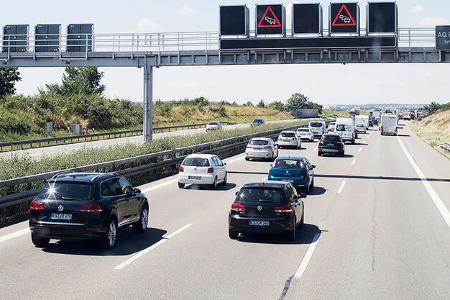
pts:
[278, 105]
[249, 103]
[85, 81]
[433, 107]
[261, 104]
[296, 101]
[8, 79]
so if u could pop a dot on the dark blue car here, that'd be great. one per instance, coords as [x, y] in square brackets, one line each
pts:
[296, 170]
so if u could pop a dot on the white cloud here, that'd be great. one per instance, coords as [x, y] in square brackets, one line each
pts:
[432, 21]
[417, 9]
[185, 10]
[147, 25]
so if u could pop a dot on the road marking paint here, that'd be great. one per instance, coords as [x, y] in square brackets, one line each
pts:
[159, 185]
[354, 162]
[341, 188]
[307, 258]
[360, 149]
[434, 196]
[234, 159]
[152, 247]
[14, 235]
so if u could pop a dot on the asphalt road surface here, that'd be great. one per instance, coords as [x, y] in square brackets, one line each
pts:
[37, 153]
[377, 227]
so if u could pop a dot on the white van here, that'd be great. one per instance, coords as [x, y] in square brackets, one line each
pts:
[389, 124]
[318, 128]
[345, 128]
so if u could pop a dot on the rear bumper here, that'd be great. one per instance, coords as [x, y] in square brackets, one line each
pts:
[277, 225]
[204, 179]
[259, 154]
[287, 144]
[65, 231]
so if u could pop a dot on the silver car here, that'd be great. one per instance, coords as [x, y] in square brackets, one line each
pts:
[305, 134]
[261, 148]
[289, 139]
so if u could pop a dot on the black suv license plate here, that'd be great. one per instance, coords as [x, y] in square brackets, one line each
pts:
[259, 223]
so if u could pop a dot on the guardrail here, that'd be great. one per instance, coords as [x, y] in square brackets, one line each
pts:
[445, 146]
[18, 192]
[48, 142]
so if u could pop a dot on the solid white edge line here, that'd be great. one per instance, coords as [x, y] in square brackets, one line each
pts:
[341, 188]
[434, 196]
[307, 258]
[14, 235]
[354, 162]
[145, 251]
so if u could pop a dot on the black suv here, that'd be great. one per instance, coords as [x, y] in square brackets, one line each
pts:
[270, 207]
[86, 205]
[331, 144]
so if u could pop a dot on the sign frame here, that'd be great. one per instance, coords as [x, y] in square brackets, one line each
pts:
[247, 21]
[283, 21]
[440, 41]
[331, 18]
[368, 17]
[320, 31]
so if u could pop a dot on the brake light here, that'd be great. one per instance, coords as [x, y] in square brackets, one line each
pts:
[283, 209]
[36, 205]
[238, 207]
[210, 170]
[93, 208]
[181, 169]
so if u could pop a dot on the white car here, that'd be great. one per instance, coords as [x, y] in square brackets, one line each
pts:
[305, 134]
[361, 128]
[213, 126]
[288, 139]
[263, 148]
[202, 169]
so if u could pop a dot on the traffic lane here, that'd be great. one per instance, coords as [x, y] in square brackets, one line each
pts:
[434, 165]
[394, 243]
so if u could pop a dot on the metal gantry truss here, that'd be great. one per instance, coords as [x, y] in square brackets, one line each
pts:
[148, 50]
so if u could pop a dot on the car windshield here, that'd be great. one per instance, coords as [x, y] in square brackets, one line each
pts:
[258, 143]
[287, 164]
[261, 194]
[303, 130]
[288, 134]
[341, 127]
[315, 124]
[331, 138]
[196, 162]
[213, 123]
[67, 191]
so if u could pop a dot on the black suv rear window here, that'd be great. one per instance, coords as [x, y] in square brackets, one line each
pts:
[331, 138]
[261, 194]
[67, 191]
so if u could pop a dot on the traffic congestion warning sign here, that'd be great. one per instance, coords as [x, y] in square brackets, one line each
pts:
[344, 18]
[269, 19]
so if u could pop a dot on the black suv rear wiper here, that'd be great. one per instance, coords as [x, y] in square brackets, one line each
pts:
[262, 200]
[66, 198]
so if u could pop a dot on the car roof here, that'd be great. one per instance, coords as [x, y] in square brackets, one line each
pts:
[198, 155]
[290, 158]
[266, 183]
[82, 177]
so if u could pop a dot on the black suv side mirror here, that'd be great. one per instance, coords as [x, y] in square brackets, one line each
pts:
[127, 190]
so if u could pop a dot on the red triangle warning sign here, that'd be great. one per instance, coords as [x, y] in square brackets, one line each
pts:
[344, 17]
[269, 19]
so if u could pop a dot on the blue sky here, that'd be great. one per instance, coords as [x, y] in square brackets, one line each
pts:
[327, 84]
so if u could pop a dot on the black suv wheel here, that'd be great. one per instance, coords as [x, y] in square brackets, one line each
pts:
[110, 237]
[141, 226]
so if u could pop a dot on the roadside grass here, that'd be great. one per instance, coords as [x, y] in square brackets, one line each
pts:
[23, 165]
[435, 130]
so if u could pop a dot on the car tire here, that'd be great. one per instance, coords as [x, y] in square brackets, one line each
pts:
[312, 185]
[233, 234]
[291, 234]
[214, 185]
[302, 222]
[353, 141]
[342, 154]
[247, 158]
[39, 241]
[320, 153]
[141, 226]
[181, 185]
[110, 237]
[225, 180]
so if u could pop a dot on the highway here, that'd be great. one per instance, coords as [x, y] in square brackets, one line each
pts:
[377, 226]
[38, 153]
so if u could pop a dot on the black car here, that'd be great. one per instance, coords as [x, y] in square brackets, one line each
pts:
[257, 122]
[86, 205]
[331, 144]
[267, 207]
